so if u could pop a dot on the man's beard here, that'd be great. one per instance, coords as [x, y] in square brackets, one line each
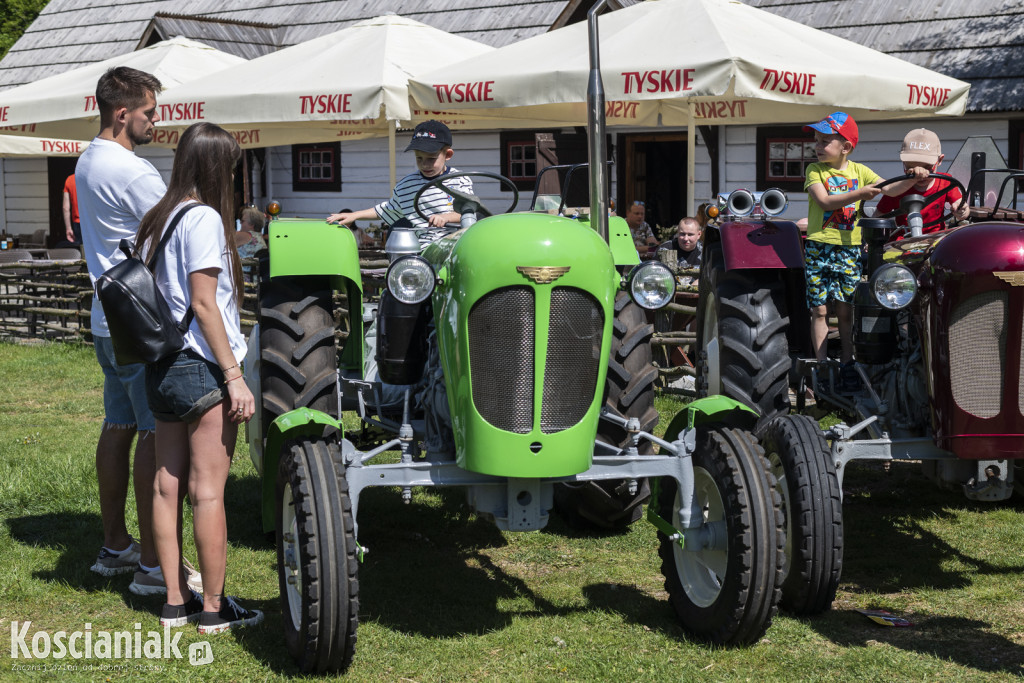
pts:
[137, 140]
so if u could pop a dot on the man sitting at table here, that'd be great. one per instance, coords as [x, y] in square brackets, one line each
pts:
[687, 245]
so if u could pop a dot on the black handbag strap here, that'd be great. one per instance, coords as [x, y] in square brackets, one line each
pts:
[159, 251]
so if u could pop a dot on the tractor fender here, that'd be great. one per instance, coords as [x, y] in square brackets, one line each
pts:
[298, 422]
[761, 244]
[620, 241]
[711, 409]
[304, 246]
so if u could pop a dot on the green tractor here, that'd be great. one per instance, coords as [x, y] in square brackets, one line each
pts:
[512, 359]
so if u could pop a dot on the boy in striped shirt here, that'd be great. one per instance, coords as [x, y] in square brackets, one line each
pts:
[432, 145]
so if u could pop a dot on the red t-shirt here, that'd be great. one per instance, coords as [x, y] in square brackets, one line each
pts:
[932, 212]
[69, 187]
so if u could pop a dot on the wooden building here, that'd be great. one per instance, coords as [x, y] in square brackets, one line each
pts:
[979, 42]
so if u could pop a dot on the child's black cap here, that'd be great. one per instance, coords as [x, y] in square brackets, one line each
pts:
[430, 136]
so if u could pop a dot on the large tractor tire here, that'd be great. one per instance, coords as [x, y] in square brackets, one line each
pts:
[629, 392]
[741, 330]
[811, 505]
[298, 351]
[727, 592]
[316, 557]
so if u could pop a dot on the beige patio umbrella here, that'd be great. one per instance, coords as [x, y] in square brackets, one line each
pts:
[24, 146]
[692, 62]
[64, 106]
[346, 85]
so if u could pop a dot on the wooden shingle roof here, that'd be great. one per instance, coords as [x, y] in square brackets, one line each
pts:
[69, 33]
[981, 41]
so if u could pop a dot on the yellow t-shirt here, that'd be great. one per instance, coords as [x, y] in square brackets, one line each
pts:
[839, 226]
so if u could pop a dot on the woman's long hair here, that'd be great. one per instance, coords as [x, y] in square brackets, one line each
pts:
[202, 171]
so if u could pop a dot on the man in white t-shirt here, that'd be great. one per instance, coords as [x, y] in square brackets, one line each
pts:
[115, 190]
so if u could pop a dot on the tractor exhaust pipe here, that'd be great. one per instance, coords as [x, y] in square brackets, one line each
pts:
[595, 130]
[773, 202]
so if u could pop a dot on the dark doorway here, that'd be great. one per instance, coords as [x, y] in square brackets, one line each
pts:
[57, 171]
[652, 169]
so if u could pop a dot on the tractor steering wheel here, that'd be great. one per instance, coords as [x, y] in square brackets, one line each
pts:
[464, 200]
[927, 199]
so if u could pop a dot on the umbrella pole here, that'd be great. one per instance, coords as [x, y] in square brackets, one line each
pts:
[691, 161]
[392, 125]
[247, 197]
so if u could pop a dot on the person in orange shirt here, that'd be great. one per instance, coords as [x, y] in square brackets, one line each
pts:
[72, 226]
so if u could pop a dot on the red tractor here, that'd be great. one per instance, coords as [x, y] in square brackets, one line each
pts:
[939, 347]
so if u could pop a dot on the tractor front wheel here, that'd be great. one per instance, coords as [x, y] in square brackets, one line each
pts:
[629, 392]
[727, 591]
[802, 464]
[316, 556]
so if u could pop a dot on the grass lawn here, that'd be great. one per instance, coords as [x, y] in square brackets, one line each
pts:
[446, 596]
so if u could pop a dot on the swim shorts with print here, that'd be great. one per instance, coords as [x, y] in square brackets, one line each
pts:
[832, 271]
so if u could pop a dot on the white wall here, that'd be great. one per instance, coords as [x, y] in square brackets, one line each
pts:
[364, 175]
[364, 169]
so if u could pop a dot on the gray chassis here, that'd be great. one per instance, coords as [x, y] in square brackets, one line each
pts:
[991, 480]
[522, 504]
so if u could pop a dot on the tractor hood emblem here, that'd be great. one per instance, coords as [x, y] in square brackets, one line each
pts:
[542, 275]
[1014, 279]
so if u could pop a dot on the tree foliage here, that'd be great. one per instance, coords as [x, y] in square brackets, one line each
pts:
[15, 17]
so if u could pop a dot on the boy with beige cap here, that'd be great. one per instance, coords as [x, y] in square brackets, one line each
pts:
[921, 154]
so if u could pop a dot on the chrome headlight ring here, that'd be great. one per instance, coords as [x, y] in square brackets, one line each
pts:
[410, 279]
[652, 285]
[894, 286]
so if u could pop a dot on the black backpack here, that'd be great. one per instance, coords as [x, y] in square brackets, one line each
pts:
[140, 323]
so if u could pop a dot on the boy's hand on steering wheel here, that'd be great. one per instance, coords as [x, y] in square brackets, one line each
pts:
[918, 172]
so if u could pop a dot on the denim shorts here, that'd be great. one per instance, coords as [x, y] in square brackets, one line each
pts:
[124, 390]
[832, 270]
[183, 386]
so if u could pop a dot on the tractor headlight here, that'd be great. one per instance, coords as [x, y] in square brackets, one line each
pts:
[652, 285]
[894, 286]
[410, 279]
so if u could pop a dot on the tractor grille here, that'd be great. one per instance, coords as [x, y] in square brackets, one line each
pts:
[1020, 384]
[977, 353]
[574, 351]
[501, 341]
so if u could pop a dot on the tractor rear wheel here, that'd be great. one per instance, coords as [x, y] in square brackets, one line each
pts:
[727, 592]
[629, 392]
[741, 330]
[316, 556]
[806, 480]
[298, 351]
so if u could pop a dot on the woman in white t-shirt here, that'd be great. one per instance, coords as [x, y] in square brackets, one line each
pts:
[197, 395]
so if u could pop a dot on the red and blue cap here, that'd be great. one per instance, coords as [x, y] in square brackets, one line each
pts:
[837, 122]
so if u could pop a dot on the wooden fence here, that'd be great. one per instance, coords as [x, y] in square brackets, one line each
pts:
[43, 299]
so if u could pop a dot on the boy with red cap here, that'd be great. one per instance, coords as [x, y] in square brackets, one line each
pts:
[921, 154]
[836, 188]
